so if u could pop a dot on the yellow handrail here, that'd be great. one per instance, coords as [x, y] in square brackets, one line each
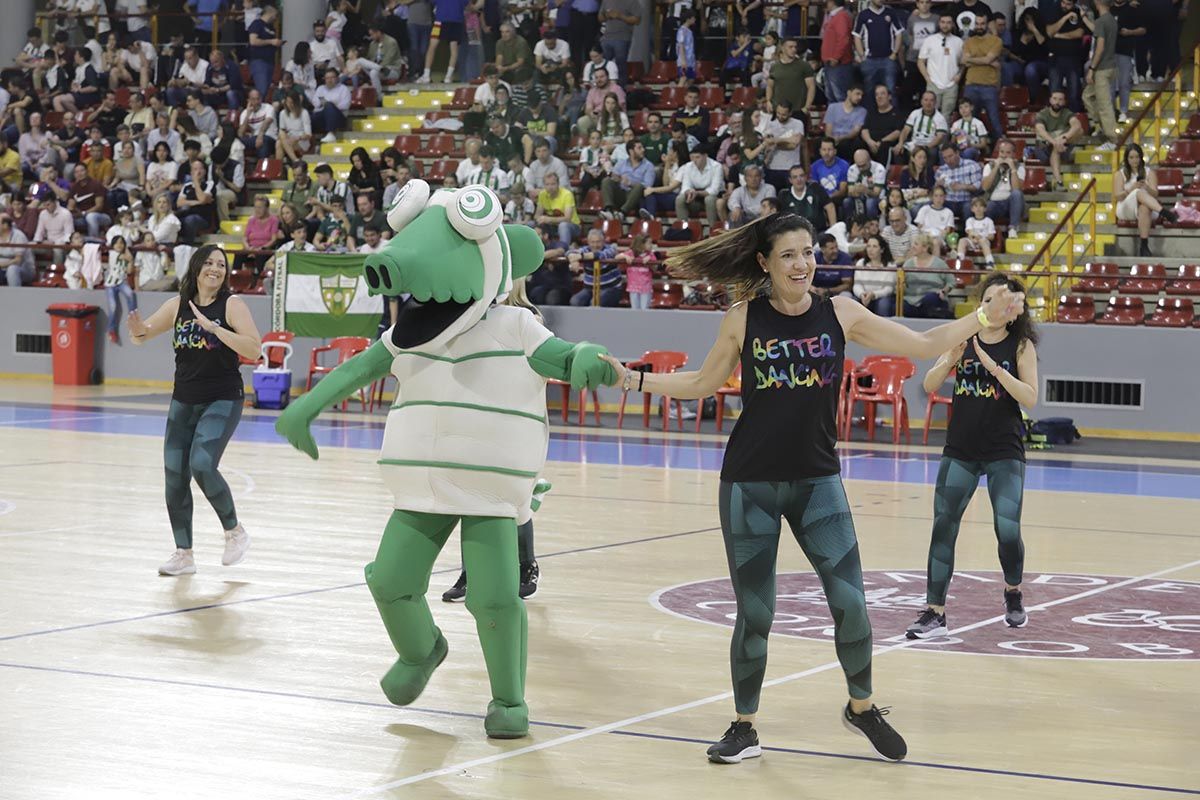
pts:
[1053, 246]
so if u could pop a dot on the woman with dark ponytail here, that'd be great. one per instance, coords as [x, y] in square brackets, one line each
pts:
[995, 373]
[210, 329]
[781, 460]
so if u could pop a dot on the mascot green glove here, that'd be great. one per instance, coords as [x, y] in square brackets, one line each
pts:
[467, 435]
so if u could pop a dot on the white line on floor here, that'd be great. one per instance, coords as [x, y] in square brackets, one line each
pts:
[640, 718]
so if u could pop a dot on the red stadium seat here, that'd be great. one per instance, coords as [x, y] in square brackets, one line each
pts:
[666, 295]
[744, 97]
[407, 144]
[53, 278]
[364, 97]
[661, 72]
[636, 72]
[611, 228]
[463, 97]
[1182, 153]
[670, 98]
[438, 170]
[715, 120]
[242, 281]
[1035, 180]
[1172, 312]
[1098, 277]
[1076, 309]
[1193, 128]
[1123, 310]
[439, 145]
[893, 175]
[1013, 99]
[691, 226]
[1170, 180]
[1145, 279]
[650, 228]
[266, 169]
[719, 227]
[712, 97]
[962, 268]
[1027, 122]
[706, 71]
[1187, 282]
[592, 203]
[639, 121]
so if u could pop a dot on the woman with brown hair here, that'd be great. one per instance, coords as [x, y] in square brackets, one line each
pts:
[210, 328]
[781, 460]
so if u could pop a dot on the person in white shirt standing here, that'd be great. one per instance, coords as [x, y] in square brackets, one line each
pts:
[701, 181]
[783, 135]
[940, 62]
[331, 103]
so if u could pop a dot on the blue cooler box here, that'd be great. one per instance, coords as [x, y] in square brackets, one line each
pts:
[273, 385]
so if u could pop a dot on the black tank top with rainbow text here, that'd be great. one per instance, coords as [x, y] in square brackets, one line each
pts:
[791, 370]
[985, 420]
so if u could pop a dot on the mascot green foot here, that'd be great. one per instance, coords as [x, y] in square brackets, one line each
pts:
[404, 682]
[506, 722]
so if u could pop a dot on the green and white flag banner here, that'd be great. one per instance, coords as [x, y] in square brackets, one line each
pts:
[324, 296]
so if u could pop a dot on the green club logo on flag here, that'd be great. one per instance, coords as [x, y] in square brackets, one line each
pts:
[337, 291]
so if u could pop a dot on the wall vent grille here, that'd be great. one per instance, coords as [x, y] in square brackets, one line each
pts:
[1094, 393]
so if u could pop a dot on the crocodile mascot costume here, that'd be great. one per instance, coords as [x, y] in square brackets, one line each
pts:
[467, 435]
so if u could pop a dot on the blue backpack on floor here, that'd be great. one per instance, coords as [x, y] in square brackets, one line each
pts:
[1056, 430]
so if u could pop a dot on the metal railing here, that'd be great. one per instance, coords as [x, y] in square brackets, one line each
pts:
[1076, 232]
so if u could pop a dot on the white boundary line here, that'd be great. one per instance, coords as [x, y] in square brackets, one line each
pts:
[640, 718]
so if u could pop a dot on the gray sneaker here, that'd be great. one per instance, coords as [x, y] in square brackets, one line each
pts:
[1014, 610]
[928, 625]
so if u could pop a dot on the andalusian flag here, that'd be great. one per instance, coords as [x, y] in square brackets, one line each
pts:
[324, 296]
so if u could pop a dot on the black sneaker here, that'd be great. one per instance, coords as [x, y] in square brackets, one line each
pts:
[529, 578]
[928, 625]
[883, 737]
[458, 591]
[1014, 610]
[1168, 215]
[739, 742]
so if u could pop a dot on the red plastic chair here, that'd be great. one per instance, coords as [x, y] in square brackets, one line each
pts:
[438, 170]
[888, 374]
[439, 146]
[640, 121]
[611, 228]
[733, 386]
[242, 281]
[1098, 277]
[266, 169]
[843, 403]
[1173, 312]
[566, 401]
[936, 399]
[592, 203]
[1170, 180]
[1076, 309]
[1123, 310]
[1035, 180]
[691, 226]
[1193, 128]
[346, 347]
[407, 144]
[1013, 98]
[744, 97]
[659, 362]
[672, 97]
[363, 97]
[1182, 153]
[666, 295]
[661, 72]
[651, 228]
[463, 97]
[712, 97]
[1145, 279]
[1187, 282]
[274, 354]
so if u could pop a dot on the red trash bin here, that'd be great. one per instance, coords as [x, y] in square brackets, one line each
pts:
[73, 343]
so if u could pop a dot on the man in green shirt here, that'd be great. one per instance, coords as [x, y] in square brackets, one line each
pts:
[385, 52]
[791, 79]
[808, 200]
[1056, 127]
[367, 217]
[514, 59]
[656, 141]
[1102, 73]
[503, 140]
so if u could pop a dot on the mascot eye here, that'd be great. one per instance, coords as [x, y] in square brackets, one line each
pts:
[409, 203]
[476, 213]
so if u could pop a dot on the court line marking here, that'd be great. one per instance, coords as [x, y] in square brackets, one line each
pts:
[640, 718]
[7, 534]
[287, 595]
[567, 726]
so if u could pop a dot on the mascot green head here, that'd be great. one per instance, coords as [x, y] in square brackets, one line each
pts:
[453, 256]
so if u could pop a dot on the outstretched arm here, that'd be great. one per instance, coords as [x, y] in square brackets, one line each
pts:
[362, 370]
[580, 364]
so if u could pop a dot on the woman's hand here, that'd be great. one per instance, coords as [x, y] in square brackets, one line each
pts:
[988, 362]
[954, 354]
[1005, 305]
[618, 369]
[203, 321]
[137, 328]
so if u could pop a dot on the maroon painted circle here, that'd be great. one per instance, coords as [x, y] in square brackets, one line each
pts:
[1088, 616]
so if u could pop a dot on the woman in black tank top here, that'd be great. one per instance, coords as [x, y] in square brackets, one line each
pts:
[995, 373]
[209, 329]
[781, 461]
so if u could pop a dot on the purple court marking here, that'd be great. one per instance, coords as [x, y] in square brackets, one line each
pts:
[626, 733]
[1150, 620]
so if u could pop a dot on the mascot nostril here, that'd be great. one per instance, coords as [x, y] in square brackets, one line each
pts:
[474, 371]
[371, 276]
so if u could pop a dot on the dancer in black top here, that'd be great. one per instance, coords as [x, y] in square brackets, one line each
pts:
[781, 461]
[210, 329]
[995, 373]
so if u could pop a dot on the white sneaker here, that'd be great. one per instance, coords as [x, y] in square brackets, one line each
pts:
[237, 542]
[450, 77]
[422, 79]
[180, 563]
[1122, 119]
[329, 137]
[1107, 147]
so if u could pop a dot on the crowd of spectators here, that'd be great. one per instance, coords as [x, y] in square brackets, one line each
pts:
[559, 121]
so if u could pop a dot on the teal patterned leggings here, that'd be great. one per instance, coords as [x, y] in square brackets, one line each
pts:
[195, 440]
[956, 483]
[819, 516]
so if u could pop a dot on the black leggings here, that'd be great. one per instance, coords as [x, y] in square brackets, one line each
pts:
[956, 482]
[195, 440]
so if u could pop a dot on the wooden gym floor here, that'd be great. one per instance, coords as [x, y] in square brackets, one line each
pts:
[260, 681]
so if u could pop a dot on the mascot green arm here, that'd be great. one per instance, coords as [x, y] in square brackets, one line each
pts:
[362, 370]
[578, 364]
